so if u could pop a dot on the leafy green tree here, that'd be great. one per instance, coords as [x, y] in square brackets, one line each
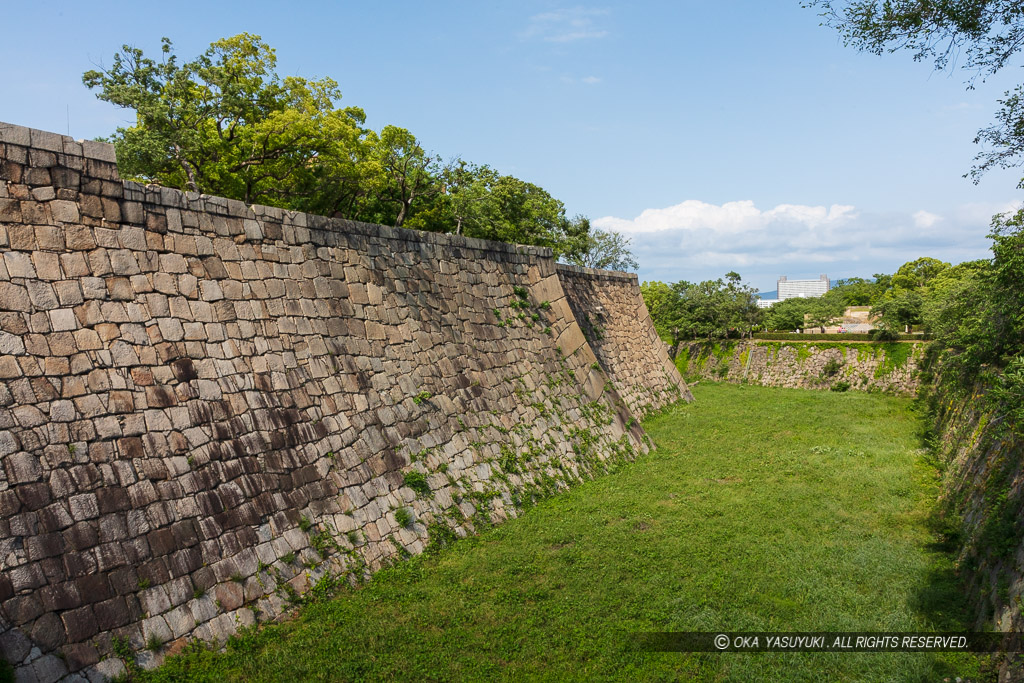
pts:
[954, 313]
[669, 310]
[713, 309]
[917, 274]
[477, 201]
[745, 314]
[1007, 288]
[882, 284]
[523, 214]
[856, 291]
[900, 311]
[574, 240]
[226, 124]
[468, 200]
[983, 34]
[788, 314]
[498, 207]
[823, 311]
[900, 305]
[605, 249]
[400, 175]
[663, 303]
[1005, 138]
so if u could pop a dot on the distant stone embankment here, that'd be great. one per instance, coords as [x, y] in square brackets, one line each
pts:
[873, 366]
[983, 511]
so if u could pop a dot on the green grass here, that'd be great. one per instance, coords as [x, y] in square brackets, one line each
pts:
[762, 509]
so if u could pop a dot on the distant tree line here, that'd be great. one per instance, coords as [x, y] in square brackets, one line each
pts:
[713, 309]
[917, 297]
[225, 123]
[973, 312]
[897, 301]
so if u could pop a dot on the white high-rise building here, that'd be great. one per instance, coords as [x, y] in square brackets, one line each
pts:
[789, 289]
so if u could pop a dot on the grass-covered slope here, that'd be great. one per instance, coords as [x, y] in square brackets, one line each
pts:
[761, 509]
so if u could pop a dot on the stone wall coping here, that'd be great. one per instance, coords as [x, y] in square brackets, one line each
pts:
[596, 272]
[171, 198]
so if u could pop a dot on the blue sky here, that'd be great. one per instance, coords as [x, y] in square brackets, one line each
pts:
[730, 135]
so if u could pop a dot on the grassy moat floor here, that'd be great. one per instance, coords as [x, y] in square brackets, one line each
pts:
[761, 510]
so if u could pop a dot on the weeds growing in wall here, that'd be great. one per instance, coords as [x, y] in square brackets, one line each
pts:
[682, 361]
[861, 366]
[895, 357]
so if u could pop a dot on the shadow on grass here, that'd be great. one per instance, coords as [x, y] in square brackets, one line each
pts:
[940, 602]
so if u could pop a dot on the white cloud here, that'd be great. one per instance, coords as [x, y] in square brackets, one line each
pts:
[924, 219]
[731, 217]
[695, 240]
[566, 25]
[591, 80]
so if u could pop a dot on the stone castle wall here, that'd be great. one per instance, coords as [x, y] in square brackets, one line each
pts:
[983, 509]
[207, 407]
[611, 312]
[867, 366]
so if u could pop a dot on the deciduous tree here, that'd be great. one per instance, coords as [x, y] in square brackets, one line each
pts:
[227, 124]
[605, 249]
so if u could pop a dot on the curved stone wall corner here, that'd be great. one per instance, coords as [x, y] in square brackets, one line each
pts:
[207, 407]
[614, 321]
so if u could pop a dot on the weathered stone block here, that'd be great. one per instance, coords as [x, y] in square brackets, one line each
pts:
[80, 624]
[49, 669]
[10, 211]
[112, 613]
[43, 194]
[84, 506]
[120, 288]
[47, 265]
[22, 609]
[63, 320]
[11, 344]
[15, 135]
[14, 297]
[23, 468]
[64, 211]
[42, 295]
[19, 264]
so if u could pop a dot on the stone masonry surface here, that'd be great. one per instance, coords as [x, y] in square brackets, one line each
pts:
[982, 506]
[611, 312]
[207, 407]
[891, 368]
